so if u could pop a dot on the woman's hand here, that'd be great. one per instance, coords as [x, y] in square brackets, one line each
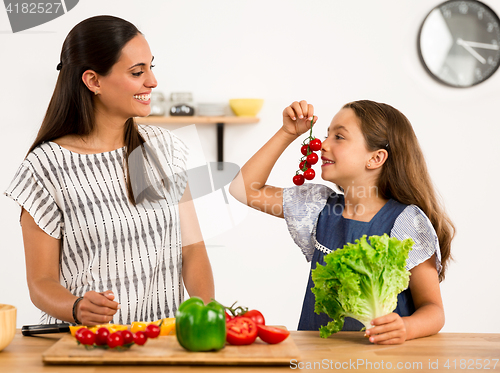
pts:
[297, 118]
[96, 308]
[387, 330]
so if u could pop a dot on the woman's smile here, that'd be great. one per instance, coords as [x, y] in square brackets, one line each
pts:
[143, 98]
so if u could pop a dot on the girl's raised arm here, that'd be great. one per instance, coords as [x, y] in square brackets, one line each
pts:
[249, 186]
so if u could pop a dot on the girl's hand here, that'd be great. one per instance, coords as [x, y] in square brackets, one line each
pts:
[97, 308]
[389, 329]
[297, 118]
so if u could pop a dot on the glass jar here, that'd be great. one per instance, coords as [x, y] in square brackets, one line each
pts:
[157, 104]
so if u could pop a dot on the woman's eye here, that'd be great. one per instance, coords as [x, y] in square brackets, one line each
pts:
[151, 66]
[138, 74]
[338, 137]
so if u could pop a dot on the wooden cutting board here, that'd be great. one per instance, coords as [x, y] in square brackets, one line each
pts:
[167, 351]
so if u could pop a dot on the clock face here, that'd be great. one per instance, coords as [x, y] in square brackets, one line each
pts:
[459, 43]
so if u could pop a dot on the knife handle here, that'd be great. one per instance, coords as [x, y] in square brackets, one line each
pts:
[28, 330]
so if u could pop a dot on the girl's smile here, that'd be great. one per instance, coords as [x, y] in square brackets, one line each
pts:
[326, 162]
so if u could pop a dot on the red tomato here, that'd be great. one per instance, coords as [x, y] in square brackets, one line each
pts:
[304, 149]
[256, 316]
[85, 336]
[304, 164]
[297, 180]
[101, 336]
[79, 332]
[140, 338]
[312, 158]
[228, 316]
[127, 336]
[152, 331]
[309, 174]
[115, 339]
[272, 335]
[241, 331]
[315, 145]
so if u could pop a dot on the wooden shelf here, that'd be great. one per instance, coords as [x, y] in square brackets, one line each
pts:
[196, 120]
[219, 121]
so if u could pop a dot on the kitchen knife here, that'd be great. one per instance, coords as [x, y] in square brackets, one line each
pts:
[28, 330]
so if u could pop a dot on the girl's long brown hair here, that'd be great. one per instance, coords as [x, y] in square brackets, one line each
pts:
[94, 44]
[404, 176]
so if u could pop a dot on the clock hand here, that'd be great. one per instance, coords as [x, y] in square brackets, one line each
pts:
[474, 44]
[471, 51]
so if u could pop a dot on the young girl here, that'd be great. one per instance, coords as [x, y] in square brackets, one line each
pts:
[372, 153]
[102, 242]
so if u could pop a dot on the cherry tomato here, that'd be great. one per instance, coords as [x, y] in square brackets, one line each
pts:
[297, 180]
[315, 145]
[272, 335]
[304, 164]
[79, 332]
[256, 316]
[312, 158]
[127, 336]
[85, 336]
[309, 174]
[152, 331]
[140, 338]
[241, 331]
[304, 149]
[101, 336]
[114, 340]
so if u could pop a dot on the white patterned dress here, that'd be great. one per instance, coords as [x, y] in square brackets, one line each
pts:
[106, 242]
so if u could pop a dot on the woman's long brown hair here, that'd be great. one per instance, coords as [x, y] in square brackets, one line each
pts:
[404, 176]
[93, 44]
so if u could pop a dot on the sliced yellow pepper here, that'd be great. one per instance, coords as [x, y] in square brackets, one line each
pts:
[167, 326]
[138, 326]
[116, 327]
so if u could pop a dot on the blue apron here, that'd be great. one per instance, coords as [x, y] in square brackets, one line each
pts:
[334, 231]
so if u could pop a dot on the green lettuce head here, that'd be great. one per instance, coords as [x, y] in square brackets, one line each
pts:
[361, 281]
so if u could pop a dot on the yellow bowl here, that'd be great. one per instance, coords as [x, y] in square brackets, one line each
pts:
[246, 107]
[7, 324]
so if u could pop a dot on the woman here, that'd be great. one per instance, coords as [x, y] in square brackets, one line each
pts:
[109, 228]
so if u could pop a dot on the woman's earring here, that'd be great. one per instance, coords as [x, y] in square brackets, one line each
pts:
[369, 165]
[96, 92]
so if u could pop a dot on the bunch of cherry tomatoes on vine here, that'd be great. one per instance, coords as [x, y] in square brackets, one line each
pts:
[309, 158]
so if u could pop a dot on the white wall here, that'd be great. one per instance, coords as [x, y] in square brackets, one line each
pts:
[327, 52]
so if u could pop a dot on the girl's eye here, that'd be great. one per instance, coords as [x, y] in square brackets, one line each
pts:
[151, 66]
[338, 137]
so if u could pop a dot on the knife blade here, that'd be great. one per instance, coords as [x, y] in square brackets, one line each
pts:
[28, 330]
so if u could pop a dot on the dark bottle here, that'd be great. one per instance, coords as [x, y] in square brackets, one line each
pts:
[182, 104]
[181, 110]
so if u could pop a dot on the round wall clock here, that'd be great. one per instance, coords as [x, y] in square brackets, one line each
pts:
[459, 43]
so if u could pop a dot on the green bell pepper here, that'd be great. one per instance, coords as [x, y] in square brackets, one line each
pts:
[200, 327]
